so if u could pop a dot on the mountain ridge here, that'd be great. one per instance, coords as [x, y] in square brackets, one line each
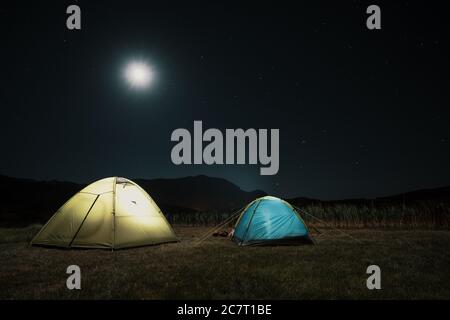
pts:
[25, 201]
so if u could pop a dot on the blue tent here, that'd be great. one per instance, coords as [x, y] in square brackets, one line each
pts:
[269, 220]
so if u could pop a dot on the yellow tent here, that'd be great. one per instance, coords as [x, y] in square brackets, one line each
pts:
[109, 213]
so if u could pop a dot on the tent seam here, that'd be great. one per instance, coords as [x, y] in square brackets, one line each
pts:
[250, 221]
[81, 225]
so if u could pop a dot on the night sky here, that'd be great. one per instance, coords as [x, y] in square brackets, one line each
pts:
[361, 113]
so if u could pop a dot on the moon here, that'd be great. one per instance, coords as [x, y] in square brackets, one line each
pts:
[139, 74]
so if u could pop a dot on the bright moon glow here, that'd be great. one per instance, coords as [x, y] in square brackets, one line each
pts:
[139, 75]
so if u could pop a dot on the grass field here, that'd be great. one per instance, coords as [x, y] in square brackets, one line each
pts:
[415, 264]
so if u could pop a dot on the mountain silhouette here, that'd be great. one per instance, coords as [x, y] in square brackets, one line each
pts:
[201, 193]
[423, 196]
[26, 201]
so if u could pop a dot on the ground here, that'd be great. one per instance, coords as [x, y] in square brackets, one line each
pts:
[414, 265]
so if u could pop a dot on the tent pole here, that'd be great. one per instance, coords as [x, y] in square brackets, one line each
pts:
[114, 214]
[250, 220]
[79, 228]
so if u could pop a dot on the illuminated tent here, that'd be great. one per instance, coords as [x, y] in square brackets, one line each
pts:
[269, 220]
[109, 213]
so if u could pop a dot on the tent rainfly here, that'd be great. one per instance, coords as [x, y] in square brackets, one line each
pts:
[270, 220]
[109, 213]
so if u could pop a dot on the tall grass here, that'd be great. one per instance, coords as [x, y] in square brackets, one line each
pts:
[424, 215]
[197, 218]
[419, 215]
